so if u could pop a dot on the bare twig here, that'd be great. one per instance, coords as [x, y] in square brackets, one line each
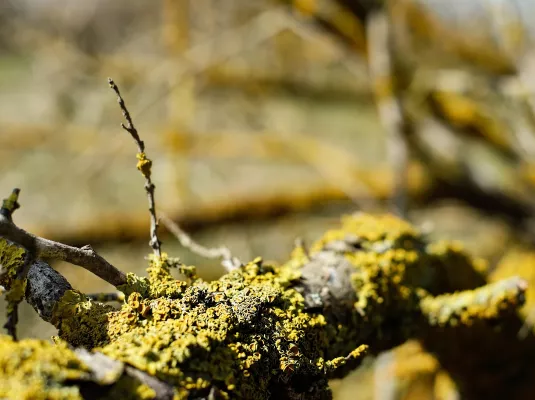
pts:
[390, 108]
[223, 253]
[144, 166]
[84, 257]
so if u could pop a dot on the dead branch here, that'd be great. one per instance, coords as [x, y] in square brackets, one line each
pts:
[144, 166]
[41, 248]
[223, 253]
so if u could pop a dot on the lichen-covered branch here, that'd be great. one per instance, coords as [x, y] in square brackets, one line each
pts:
[34, 369]
[20, 249]
[265, 331]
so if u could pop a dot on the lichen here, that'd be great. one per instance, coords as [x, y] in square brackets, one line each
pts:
[34, 370]
[80, 321]
[11, 260]
[144, 165]
[238, 333]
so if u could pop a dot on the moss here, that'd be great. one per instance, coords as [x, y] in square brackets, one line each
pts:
[34, 370]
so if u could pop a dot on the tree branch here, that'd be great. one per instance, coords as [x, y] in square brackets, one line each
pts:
[84, 257]
[381, 67]
[144, 166]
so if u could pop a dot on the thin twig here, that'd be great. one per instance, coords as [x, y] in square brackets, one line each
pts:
[389, 105]
[38, 247]
[223, 253]
[144, 166]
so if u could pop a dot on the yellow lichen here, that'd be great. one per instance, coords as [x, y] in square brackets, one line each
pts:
[144, 165]
[11, 260]
[80, 321]
[34, 370]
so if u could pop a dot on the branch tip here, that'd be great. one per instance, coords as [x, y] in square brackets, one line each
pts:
[144, 166]
[10, 204]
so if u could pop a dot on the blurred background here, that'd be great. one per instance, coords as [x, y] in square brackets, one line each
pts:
[267, 120]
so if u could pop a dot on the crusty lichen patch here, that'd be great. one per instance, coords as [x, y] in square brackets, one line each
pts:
[80, 321]
[238, 334]
[34, 370]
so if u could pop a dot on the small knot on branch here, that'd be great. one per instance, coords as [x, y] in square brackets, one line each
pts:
[144, 165]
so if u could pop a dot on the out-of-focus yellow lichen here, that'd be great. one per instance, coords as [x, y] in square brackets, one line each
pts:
[35, 370]
[485, 303]
[520, 262]
[39, 370]
[381, 231]
[412, 373]
[11, 203]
